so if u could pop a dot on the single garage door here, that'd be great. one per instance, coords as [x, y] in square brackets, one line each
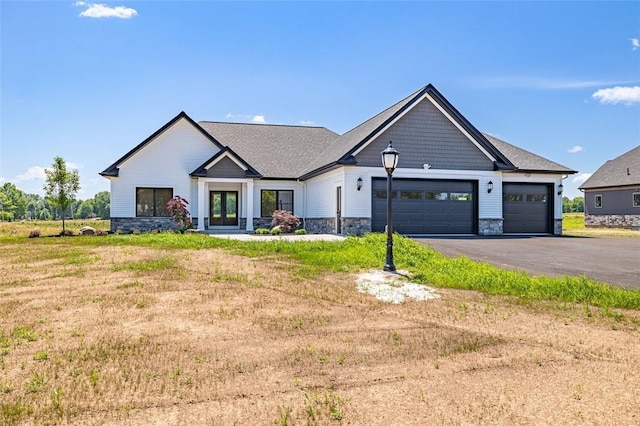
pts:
[527, 208]
[423, 206]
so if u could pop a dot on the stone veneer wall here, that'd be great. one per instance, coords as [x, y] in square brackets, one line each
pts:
[490, 227]
[612, 220]
[322, 225]
[557, 226]
[261, 222]
[141, 224]
[356, 225]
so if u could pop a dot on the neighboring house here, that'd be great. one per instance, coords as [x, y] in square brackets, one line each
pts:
[612, 193]
[451, 179]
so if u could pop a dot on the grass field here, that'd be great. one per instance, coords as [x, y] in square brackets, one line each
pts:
[179, 329]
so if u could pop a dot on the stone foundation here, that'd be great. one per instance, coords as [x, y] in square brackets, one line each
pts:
[262, 222]
[356, 225]
[490, 227]
[127, 225]
[631, 221]
[557, 227]
[323, 225]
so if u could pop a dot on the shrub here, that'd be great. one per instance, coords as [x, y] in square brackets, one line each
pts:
[286, 220]
[262, 231]
[177, 208]
[34, 234]
[276, 230]
[301, 231]
[66, 233]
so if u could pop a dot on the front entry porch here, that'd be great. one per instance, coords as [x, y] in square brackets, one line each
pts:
[225, 204]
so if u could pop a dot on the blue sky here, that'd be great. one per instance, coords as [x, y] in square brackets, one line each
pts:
[89, 81]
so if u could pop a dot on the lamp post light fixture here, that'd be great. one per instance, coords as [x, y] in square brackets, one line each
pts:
[389, 162]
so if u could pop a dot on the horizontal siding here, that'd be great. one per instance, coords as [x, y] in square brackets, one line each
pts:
[163, 163]
[425, 136]
[226, 168]
[613, 201]
[321, 195]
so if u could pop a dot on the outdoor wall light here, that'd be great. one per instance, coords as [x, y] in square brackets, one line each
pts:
[359, 184]
[560, 189]
[489, 187]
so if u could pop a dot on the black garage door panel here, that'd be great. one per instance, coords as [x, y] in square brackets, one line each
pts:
[527, 208]
[426, 206]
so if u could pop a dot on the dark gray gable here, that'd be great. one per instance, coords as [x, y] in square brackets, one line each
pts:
[226, 168]
[226, 164]
[424, 135]
[621, 171]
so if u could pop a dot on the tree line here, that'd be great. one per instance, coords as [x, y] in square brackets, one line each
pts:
[59, 201]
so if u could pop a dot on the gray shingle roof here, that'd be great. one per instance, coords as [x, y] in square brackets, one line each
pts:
[275, 151]
[621, 171]
[527, 161]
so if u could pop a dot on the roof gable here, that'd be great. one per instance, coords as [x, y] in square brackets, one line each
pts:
[226, 159]
[112, 170]
[621, 171]
[343, 149]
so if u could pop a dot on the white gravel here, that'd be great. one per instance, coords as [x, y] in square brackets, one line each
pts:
[393, 287]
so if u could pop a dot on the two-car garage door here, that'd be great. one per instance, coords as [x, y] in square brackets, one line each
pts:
[422, 206]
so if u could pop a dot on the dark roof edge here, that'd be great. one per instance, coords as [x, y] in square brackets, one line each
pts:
[555, 172]
[475, 133]
[112, 170]
[320, 170]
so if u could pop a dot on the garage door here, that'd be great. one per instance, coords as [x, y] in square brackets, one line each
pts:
[527, 208]
[426, 206]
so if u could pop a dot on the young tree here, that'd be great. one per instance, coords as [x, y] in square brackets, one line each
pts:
[177, 208]
[61, 186]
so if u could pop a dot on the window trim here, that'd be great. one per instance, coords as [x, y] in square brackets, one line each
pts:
[153, 203]
[277, 191]
[595, 201]
[633, 199]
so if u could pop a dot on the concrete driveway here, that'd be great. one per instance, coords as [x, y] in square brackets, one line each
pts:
[612, 260]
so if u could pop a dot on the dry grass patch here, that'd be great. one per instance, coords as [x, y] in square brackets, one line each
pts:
[154, 336]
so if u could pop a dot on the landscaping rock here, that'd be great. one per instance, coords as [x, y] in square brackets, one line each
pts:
[87, 230]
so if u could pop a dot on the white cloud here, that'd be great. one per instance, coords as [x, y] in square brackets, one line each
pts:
[580, 178]
[307, 122]
[574, 149]
[635, 43]
[103, 11]
[32, 173]
[618, 94]
[258, 119]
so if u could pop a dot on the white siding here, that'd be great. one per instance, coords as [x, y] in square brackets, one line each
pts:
[321, 195]
[165, 162]
[298, 194]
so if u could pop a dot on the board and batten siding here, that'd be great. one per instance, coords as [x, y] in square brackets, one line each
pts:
[164, 162]
[425, 136]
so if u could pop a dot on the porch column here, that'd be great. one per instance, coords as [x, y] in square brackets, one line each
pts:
[250, 205]
[201, 204]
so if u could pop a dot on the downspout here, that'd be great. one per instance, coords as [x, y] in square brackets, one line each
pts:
[304, 203]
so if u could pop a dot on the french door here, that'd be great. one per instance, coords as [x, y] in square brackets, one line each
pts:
[224, 208]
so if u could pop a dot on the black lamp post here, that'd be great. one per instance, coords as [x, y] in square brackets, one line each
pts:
[389, 162]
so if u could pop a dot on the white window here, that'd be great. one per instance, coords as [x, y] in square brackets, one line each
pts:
[636, 199]
[598, 201]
